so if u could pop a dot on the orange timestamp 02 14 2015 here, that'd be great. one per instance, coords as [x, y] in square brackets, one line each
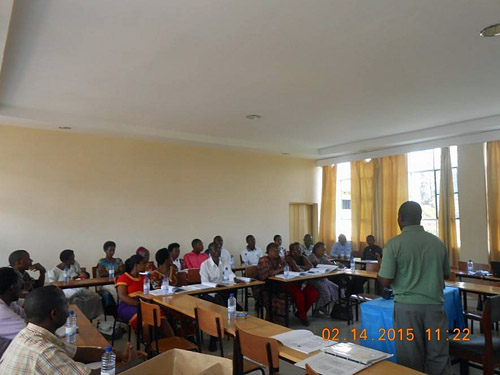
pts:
[392, 334]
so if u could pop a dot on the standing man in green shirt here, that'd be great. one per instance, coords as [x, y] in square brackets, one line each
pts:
[415, 264]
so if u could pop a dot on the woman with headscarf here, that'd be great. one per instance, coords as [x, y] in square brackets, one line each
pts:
[143, 252]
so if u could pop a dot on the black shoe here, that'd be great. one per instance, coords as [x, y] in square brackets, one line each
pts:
[305, 322]
[212, 347]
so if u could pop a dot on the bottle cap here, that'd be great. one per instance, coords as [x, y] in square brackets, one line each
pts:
[71, 313]
[108, 349]
[231, 295]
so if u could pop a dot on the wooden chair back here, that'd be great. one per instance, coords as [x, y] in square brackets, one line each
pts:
[182, 278]
[251, 271]
[260, 349]
[83, 269]
[94, 272]
[453, 276]
[310, 371]
[193, 276]
[208, 321]
[491, 314]
[211, 323]
[373, 267]
[150, 313]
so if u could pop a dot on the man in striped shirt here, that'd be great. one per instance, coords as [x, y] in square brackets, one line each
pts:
[37, 349]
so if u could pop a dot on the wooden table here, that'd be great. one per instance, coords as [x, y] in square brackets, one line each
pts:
[84, 283]
[480, 289]
[87, 335]
[185, 304]
[461, 274]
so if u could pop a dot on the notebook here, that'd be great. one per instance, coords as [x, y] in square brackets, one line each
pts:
[302, 340]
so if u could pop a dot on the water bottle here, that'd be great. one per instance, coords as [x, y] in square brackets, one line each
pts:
[232, 262]
[108, 362]
[231, 307]
[225, 274]
[470, 267]
[146, 286]
[112, 272]
[165, 287]
[286, 271]
[353, 265]
[71, 328]
[66, 275]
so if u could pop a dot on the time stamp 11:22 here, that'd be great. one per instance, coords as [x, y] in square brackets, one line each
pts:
[392, 334]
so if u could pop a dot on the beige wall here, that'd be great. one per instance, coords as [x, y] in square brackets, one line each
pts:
[64, 190]
[472, 201]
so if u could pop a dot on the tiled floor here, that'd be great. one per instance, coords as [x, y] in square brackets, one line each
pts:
[317, 325]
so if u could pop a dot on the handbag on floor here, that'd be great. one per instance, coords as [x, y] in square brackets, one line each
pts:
[342, 311]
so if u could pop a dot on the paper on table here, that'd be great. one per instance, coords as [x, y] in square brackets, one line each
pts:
[245, 279]
[321, 270]
[302, 340]
[325, 364]
[357, 353]
[333, 267]
[292, 275]
[209, 285]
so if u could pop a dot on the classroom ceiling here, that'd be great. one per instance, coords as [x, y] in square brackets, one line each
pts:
[328, 77]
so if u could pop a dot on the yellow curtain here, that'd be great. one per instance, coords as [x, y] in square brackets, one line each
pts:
[394, 171]
[362, 201]
[447, 218]
[328, 206]
[493, 186]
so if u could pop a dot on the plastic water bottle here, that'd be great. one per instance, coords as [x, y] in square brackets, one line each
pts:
[225, 274]
[232, 261]
[112, 272]
[353, 265]
[165, 287]
[231, 307]
[66, 275]
[470, 267]
[71, 328]
[146, 286]
[108, 362]
[286, 271]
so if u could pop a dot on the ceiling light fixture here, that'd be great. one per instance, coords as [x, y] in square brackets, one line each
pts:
[493, 30]
[65, 127]
[254, 117]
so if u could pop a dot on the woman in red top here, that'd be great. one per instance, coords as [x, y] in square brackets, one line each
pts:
[130, 282]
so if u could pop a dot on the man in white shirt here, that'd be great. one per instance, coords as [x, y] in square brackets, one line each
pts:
[212, 271]
[225, 255]
[251, 255]
[12, 316]
[341, 249]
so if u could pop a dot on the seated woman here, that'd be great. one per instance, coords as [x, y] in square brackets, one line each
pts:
[87, 300]
[104, 264]
[164, 267]
[130, 282]
[304, 294]
[143, 252]
[328, 291]
[268, 266]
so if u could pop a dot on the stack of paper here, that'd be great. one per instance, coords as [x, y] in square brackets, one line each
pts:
[302, 340]
[343, 359]
[292, 275]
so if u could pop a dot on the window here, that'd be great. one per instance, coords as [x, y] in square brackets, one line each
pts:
[343, 224]
[424, 173]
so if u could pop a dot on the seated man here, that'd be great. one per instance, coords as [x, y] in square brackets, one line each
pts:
[308, 245]
[37, 349]
[212, 271]
[251, 255]
[20, 260]
[278, 241]
[372, 251]
[195, 258]
[342, 249]
[12, 316]
[225, 255]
